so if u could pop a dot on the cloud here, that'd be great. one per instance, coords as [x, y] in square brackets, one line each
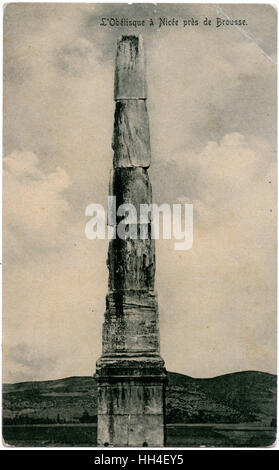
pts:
[35, 209]
[55, 303]
[77, 58]
[212, 110]
[26, 363]
[55, 272]
[220, 294]
[211, 84]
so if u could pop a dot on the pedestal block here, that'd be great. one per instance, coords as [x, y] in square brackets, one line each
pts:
[131, 397]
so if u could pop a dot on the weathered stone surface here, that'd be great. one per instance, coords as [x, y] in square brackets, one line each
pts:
[131, 139]
[131, 323]
[131, 415]
[117, 303]
[130, 186]
[130, 373]
[131, 264]
[131, 430]
[131, 400]
[133, 367]
[129, 79]
[131, 397]
[119, 399]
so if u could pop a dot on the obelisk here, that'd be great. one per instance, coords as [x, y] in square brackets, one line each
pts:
[130, 373]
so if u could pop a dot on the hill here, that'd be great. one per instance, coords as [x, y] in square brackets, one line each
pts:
[232, 398]
[239, 397]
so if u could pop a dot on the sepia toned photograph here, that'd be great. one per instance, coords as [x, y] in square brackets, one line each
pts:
[139, 225]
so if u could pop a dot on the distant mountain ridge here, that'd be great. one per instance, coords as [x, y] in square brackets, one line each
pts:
[238, 397]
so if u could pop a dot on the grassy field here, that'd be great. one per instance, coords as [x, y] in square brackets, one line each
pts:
[177, 435]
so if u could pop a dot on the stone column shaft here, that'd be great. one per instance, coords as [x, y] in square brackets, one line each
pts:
[130, 373]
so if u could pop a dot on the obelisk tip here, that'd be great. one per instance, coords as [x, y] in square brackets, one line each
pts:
[129, 69]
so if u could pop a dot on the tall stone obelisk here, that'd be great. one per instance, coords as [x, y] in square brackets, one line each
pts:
[130, 373]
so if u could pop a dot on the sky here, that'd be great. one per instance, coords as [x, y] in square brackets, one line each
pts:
[212, 112]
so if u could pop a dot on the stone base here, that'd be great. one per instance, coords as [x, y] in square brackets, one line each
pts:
[131, 402]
